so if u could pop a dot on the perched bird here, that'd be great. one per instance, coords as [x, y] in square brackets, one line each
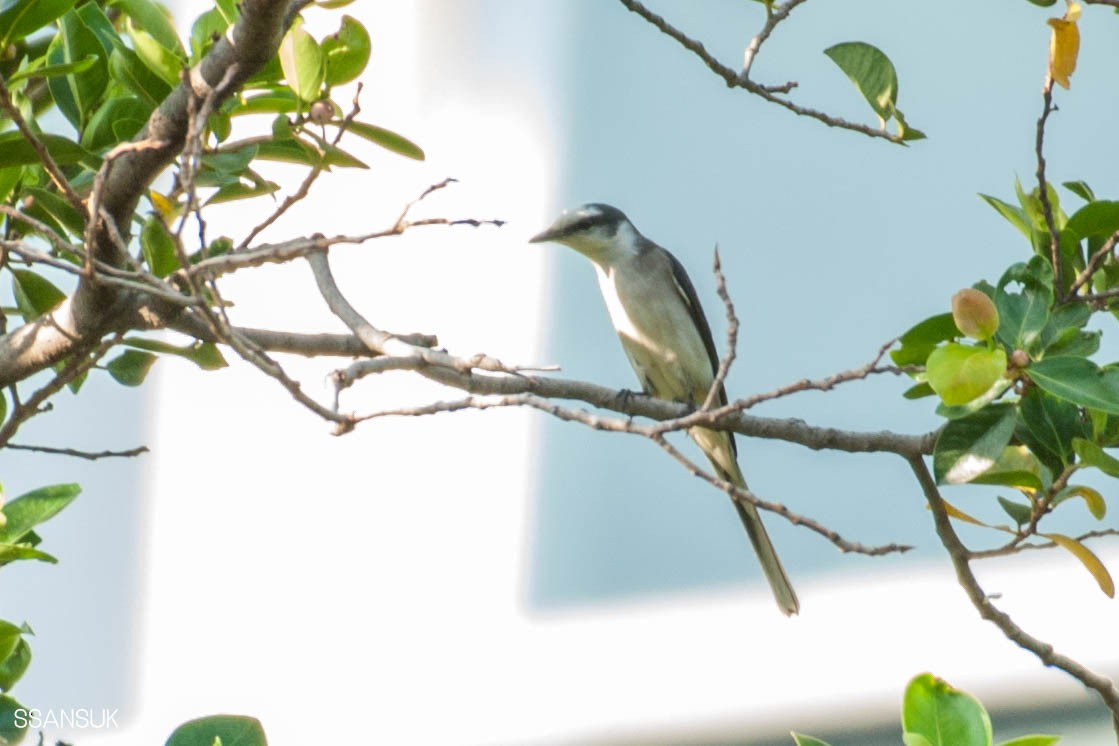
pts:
[667, 339]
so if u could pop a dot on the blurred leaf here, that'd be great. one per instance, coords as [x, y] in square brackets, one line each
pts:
[35, 507]
[19, 18]
[1023, 317]
[919, 391]
[240, 190]
[1093, 500]
[1088, 559]
[15, 150]
[228, 10]
[205, 355]
[959, 374]
[1032, 740]
[15, 665]
[347, 52]
[52, 71]
[9, 178]
[127, 68]
[220, 125]
[1015, 215]
[1043, 3]
[58, 208]
[230, 161]
[10, 635]
[131, 367]
[1080, 188]
[943, 715]
[13, 720]
[34, 294]
[1018, 512]
[17, 552]
[386, 139]
[302, 61]
[1077, 380]
[971, 445]
[77, 94]
[206, 28]
[154, 19]
[159, 247]
[231, 730]
[118, 119]
[802, 740]
[158, 58]
[273, 102]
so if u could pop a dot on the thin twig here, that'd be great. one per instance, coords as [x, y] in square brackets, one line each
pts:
[1094, 263]
[1043, 188]
[779, 14]
[88, 455]
[717, 392]
[1014, 547]
[734, 80]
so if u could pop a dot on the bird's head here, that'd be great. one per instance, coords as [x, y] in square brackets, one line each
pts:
[598, 231]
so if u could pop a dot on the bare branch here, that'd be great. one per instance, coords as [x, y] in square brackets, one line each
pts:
[773, 18]
[1043, 187]
[1094, 263]
[717, 392]
[1015, 547]
[88, 455]
[958, 553]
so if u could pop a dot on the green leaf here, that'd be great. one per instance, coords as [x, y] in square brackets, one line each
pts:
[1087, 558]
[15, 552]
[1022, 317]
[1043, 3]
[971, 445]
[15, 150]
[35, 294]
[131, 367]
[53, 71]
[1052, 423]
[301, 58]
[919, 391]
[207, 27]
[13, 720]
[1080, 188]
[10, 635]
[274, 102]
[56, 207]
[9, 179]
[1092, 455]
[30, 509]
[205, 355]
[1018, 512]
[76, 95]
[230, 161]
[158, 58]
[240, 190]
[1099, 218]
[129, 70]
[388, 140]
[1016, 215]
[21, 17]
[1016, 467]
[159, 247]
[153, 19]
[872, 73]
[943, 715]
[347, 52]
[116, 120]
[802, 740]
[959, 374]
[1032, 740]
[915, 739]
[922, 338]
[228, 10]
[232, 730]
[1077, 380]
[15, 665]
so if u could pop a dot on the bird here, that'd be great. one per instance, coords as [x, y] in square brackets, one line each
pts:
[657, 315]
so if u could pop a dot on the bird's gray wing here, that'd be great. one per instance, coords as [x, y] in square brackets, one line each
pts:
[691, 300]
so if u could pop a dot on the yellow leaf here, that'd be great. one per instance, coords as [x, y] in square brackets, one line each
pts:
[955, 512]
[1092, 498]
[168, 210]
[1088, 559]
[1064, 45]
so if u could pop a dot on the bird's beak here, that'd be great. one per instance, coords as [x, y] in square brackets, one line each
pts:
[548, 234]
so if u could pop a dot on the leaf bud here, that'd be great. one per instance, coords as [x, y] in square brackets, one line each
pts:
[975, 314]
